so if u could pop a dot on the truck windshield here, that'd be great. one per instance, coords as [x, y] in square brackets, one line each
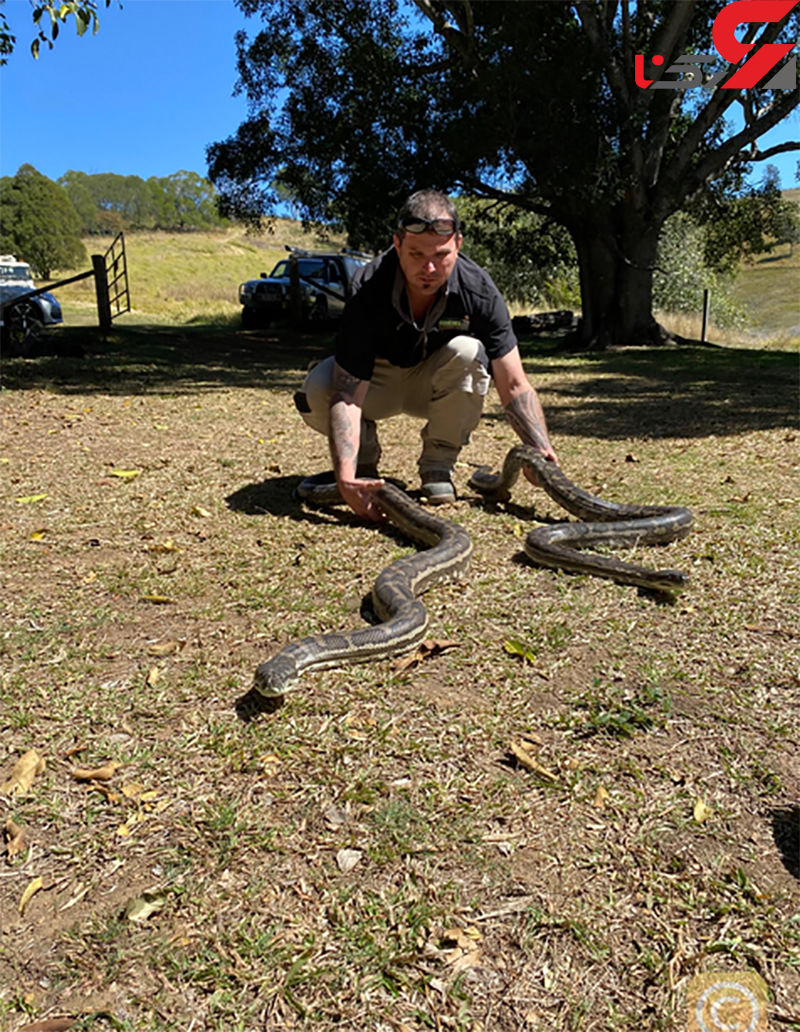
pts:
[15, 273]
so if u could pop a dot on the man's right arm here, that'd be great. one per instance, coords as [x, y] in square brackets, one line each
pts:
[344, 438]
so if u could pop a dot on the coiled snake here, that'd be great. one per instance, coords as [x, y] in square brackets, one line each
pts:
[394, 594]
[602, 522]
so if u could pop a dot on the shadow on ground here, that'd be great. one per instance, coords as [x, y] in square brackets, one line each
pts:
[688, 391]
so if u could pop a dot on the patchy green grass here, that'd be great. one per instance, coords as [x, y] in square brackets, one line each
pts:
[373, 855]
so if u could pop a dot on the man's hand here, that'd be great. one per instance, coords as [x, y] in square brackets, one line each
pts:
[360, 496]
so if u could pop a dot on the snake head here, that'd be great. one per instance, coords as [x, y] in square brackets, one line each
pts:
[275, 676]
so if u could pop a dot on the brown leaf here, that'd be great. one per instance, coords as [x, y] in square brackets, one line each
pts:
[166, 648]
[527, 761]
[25, 770]
[104, 773]
[15, 840]
[428, 649]
[601, 797]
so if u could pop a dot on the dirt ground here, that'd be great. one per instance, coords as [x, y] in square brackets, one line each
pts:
[576, 802]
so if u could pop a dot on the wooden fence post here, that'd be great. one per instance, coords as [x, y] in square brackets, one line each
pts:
[101, 291]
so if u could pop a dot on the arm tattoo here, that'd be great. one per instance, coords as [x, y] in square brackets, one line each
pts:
[344, 442]
[523, 417]
[344, 385]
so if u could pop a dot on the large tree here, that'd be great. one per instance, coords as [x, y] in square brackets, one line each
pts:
[39, 223]
[353, 104]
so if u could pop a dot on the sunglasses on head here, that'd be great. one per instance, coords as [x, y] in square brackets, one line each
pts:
[443, 227]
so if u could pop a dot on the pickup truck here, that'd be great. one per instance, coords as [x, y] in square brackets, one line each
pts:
[324, 282]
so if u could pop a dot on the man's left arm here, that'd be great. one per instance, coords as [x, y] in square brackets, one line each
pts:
[521, 403]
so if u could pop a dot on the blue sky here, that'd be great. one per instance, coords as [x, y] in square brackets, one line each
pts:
[148, 93]
[144, 97]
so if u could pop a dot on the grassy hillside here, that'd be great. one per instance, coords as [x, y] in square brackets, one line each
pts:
[179, 278]
[184, 278]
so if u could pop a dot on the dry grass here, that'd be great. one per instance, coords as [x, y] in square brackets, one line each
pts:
[484, 896]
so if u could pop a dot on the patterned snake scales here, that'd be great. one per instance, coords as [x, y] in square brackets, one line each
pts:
[394, 594]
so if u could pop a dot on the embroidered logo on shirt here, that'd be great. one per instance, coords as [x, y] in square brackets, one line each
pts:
[454, 324]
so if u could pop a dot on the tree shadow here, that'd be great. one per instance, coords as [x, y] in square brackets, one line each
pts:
[668, 392]
[686, 391]
[152, 360]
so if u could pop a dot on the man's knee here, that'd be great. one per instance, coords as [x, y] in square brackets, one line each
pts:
[312, 401]
[464, 366]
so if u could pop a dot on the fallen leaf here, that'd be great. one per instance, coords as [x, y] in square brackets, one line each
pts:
[33, 887]
[269, 764]
[166, 648]
[125, 474]
[428, 649]
[104, 773]
[132, 790]
[163, 547]
[25, 770]
[27, 499]
[153, 677]
[108, 793]
[38, 535]
[15, 840]
[347, 859]
[198, 510]
[144, 906]
[158, 600]
[334, 817]
[527, 761]
[702, 811]
[601, 797]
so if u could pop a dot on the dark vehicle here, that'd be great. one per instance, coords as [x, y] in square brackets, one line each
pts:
[323, 284]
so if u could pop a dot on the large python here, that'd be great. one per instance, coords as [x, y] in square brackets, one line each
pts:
[601, 522]
[394, 594]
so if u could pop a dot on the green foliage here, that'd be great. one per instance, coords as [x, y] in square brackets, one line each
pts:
[39, 223]
[525, 254]
[48, 17]
[682, 274]
[107, 202]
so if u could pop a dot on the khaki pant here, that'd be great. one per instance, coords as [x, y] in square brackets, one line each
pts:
[446, 390]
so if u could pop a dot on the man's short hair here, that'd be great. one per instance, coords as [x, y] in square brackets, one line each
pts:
[427, 204]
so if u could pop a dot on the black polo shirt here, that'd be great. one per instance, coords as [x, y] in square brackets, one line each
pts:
[377, 322]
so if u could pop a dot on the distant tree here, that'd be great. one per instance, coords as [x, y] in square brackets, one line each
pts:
[48, 17]
[108, 202]
[740, 227]
[76, 187]
[39, 223]
[355, 103]
[185, 200]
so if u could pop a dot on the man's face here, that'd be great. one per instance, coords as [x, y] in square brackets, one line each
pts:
[426, 260]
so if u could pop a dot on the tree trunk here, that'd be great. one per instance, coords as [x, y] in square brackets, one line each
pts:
[616, 277]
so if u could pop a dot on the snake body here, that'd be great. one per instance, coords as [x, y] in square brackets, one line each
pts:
[394, 594]
[448, 550]
[601, 523]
